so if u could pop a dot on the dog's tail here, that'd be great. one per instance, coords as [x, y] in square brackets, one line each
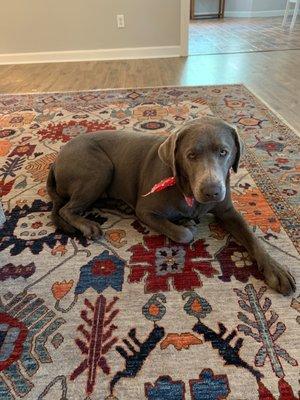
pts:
[58, 203]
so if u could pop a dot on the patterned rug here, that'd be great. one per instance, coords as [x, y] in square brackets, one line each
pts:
[133, 315]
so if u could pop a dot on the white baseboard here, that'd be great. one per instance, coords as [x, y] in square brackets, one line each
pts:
[253, 14]
[90, 55]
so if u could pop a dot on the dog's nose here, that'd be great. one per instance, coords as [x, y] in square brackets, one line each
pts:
[212, 192]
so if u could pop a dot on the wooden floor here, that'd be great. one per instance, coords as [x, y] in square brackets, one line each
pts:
[240, 35]
[273, 76]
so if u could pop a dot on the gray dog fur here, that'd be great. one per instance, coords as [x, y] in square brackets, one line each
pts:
[127, 165]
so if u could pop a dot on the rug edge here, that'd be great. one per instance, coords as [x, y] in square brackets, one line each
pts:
[122, 88]
[276, 113]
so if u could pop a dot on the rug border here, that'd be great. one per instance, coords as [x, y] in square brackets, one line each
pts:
[122, 88]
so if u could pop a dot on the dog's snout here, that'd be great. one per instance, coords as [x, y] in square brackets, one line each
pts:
[212, 192]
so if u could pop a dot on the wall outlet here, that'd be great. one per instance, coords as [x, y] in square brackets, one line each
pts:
[120, 21]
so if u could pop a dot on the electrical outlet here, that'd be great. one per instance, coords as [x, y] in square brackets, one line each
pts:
[120, 21]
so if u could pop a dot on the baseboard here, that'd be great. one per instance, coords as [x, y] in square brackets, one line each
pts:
[90, 55]
[253, 14]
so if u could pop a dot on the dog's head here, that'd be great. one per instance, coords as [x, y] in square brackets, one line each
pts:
[201, 154]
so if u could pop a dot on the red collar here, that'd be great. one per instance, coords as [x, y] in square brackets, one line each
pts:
[167, 183]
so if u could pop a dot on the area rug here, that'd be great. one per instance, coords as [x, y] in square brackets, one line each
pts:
[134, 316]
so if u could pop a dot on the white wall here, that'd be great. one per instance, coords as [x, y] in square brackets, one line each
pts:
[64, 25]
[239, 5]
[243, 8]
[266, 5]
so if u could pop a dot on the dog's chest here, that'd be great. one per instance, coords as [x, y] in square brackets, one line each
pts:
[201, 209]
[196, 211]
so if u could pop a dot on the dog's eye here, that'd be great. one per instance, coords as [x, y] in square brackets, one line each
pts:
[223, 153]
[192, 155]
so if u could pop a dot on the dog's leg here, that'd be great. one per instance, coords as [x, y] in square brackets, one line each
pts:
[82, 182]
[275, 275]
[79, 201]
[177, 233]
[70, 211]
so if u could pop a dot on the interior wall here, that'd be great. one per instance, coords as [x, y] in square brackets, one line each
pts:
[267, 5]
[207, 6]
[62, 25]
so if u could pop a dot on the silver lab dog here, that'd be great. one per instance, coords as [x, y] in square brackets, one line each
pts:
[127, 165]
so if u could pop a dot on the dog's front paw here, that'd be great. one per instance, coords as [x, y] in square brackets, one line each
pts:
[277, 277]
[191, 225]
[183, 235]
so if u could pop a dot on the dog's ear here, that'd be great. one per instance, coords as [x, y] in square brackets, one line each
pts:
[167, 150]
[167, 153]
[239, 147]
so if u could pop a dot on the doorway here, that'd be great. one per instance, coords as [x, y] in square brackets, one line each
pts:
[216, 27]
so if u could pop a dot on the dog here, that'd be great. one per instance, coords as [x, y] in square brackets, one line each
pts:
[194, 163]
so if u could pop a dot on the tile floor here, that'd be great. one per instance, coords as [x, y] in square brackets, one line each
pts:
[239, 35]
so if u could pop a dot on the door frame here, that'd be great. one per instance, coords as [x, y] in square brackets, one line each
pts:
[185, 8]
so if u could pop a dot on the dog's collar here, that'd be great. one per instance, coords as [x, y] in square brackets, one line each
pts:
[171, 181]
